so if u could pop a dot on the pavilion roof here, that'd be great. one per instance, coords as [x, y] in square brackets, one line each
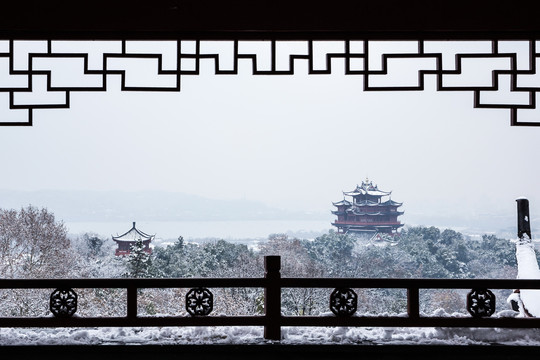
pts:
[367, 203]
[378, 213]
[342, 202]
[367, 188]
[133, 234]
[391, 203]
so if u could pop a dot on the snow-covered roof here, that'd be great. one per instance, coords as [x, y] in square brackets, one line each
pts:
[342, 202]
[367, 203]
[359, 211]
[367, 188]
[133, 234]
[391, 203]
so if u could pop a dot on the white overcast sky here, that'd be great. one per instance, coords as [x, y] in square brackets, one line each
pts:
[293, 142]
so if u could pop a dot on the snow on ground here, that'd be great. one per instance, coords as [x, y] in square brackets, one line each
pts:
[291, 335]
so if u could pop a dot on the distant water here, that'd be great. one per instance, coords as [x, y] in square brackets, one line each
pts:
[228, 230]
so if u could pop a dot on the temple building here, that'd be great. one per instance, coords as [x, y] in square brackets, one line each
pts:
[126, 240]
[366, 212]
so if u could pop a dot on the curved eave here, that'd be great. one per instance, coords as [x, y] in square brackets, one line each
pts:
[379, 213]
[342, 203]
[376, 193]
[132, 240]
[367, 203]
[392, 203]
[371, 214]
[367, 226]
[133, 234]
[352, 193]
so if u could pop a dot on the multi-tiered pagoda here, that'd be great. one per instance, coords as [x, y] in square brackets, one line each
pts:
[367, 212]
[128, 239]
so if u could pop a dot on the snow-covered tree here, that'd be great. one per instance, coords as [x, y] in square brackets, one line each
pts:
[94, 244]
[296, 262]
[334, 252]
[139, 262]
[33, 244]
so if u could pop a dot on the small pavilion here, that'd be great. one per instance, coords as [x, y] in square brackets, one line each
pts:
[126, 240]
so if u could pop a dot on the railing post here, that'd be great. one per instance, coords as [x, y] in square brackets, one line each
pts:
[132, 302]
[272, 297]
[523, 220]
[413, 303]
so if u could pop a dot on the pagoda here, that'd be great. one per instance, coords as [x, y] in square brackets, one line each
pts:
[366, 212]
[128, 239]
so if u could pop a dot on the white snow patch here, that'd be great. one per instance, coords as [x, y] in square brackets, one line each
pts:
[528, 269]
[239, 335]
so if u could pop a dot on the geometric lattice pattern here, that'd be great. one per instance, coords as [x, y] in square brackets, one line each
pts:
[481, 303]
[63, 303]
[43, 74]
[343, 302]
[199, 302]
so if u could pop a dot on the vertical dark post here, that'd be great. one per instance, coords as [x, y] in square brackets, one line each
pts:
[272, 297]
[413, 303]
[132, 302]
[523, 219]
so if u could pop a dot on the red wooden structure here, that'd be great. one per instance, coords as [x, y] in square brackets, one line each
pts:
[367, 212]
[128, 239]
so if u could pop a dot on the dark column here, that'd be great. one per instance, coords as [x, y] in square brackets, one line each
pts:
[132, 302]
[272, 297]
[413, 303]
[523, 219]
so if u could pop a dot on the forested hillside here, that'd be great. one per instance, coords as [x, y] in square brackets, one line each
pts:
[34, 245]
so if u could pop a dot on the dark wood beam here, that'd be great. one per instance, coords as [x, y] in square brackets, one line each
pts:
[260, 19]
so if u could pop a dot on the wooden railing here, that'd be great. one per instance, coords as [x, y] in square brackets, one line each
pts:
[367, 223]
[273, 319]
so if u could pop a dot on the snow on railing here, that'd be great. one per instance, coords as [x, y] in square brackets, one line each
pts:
[343, 302]
[525, 300]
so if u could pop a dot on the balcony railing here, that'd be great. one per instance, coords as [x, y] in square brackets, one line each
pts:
[366, 222]
[342, 302]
